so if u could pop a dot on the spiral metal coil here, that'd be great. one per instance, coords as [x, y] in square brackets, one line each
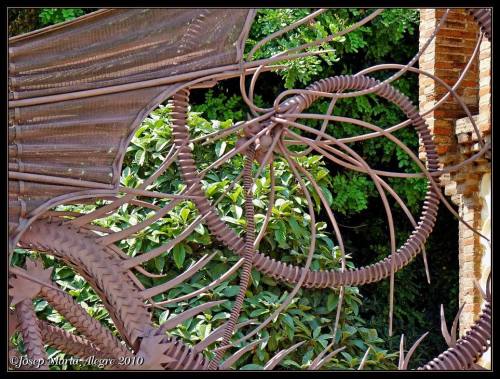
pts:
[468, 349]
[290, 273]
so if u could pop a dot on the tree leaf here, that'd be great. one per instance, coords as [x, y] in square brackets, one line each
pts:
[179, 253]
[185, 213]
[231, 291]
[220, 147]
[258, 312]
[331, 301]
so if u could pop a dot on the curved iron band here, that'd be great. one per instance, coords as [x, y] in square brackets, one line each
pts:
[468, 349]
[290, 273]
[190, 176]
[483, 17]
[47, 236]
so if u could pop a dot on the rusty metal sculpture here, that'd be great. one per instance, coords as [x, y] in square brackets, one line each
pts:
[73, 108]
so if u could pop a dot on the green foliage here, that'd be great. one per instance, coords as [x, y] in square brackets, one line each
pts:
[223, 107]
[351, 192]
[271, 20]
[414, 312]
[383, 37]
[50, 16]
[22, 20]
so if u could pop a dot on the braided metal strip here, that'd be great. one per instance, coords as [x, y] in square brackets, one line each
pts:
[183, 357]
[115, 289]
[483, 18]
[290, 273]
[32, 338]
[100, 268]
[84, 323]
[468, 349]
[188, 171]
[186, 358]
[68, 342]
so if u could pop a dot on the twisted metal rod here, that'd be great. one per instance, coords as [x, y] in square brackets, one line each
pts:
[425, 172]
[321, 279]
[248, 255]
[318, 145]
[312, 247]
[378, 85]
[467, 349]
[388, 212]
[340, 241]
[286, 55]
[284, 30]
[98, 213]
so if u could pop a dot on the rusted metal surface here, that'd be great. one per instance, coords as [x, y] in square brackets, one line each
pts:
[463, 354]
[84, 139]
[72, 113]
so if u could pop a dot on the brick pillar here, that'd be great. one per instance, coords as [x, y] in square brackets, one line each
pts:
[455, 139]
[484, 123]
[446, 57]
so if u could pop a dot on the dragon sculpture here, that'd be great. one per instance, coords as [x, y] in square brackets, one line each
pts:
[77, 93]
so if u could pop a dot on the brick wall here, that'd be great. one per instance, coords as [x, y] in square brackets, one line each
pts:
[446, 57]
[455, 138]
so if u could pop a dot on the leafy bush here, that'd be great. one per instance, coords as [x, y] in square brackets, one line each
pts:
[388, 35]
[50, 16]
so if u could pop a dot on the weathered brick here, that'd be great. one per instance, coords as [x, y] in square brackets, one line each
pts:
[455, 24]
[459, 33]
[443, 131]
[484, 91]
[447, 56]
[485, 102]
[485, 55]
[470, 83]
[484, 81]
[468, 307]
[442, 149]
[484, 108]
[485, 128]
[456, 15]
